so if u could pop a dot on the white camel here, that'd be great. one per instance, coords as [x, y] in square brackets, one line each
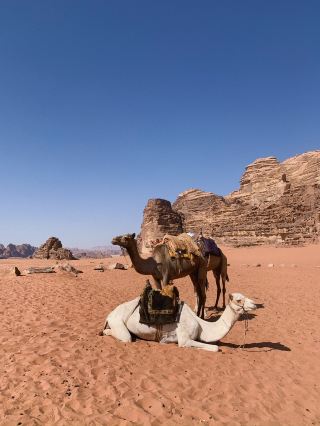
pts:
[190, 331]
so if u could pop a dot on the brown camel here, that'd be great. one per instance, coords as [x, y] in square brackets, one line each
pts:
[164, 269]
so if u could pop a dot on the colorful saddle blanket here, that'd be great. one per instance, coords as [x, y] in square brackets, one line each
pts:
[159, 306]
[208, 246]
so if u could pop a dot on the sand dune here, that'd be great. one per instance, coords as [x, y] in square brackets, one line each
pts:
[55, 369]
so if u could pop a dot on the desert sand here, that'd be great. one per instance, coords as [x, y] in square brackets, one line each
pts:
[55, 369]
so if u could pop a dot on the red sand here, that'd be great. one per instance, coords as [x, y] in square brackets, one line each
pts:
[55, 369]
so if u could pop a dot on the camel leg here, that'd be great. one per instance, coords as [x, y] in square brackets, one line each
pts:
[184, 341]
[217, 278]
[194, 280]
[199, 284]
[203, 301]
[117, 328]
[224, 291]
[199, 345]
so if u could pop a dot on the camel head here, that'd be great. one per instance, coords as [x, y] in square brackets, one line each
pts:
[123, 240]
[239, 303]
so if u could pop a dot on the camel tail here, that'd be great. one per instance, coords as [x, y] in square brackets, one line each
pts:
[227, 277]
[207, 284]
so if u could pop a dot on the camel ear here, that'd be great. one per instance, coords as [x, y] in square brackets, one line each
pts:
[230, 297]
[133, 235]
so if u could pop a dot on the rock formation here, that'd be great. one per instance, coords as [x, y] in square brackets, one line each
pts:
[12, 250]
[158, 219]
[277, 203]
[52, 249]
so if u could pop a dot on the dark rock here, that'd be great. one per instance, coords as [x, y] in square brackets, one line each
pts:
[16, 271]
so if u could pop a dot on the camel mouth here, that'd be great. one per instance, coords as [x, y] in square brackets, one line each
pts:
[115, 241]
[251, 307]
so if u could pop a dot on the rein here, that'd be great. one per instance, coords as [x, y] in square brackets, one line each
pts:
[246, 328]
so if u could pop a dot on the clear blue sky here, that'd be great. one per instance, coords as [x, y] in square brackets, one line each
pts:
[105, 104]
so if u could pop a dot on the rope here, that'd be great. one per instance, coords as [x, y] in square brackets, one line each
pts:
[246, 328]
[158, 335]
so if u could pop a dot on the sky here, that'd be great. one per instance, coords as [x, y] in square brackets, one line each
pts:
[105, 104]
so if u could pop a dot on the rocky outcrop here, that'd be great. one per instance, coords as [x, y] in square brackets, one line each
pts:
[277, 203]
[158, 219]
[52, 249]
[20, 250]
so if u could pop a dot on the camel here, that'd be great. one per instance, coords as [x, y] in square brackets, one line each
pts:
[190, 331]
[164, 269]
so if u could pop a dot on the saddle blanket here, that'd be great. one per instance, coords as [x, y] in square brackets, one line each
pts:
[181, 246]
[208, 246]
[159, 306]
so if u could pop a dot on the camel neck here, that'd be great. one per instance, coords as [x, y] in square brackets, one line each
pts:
[141, 265]
[214, 331]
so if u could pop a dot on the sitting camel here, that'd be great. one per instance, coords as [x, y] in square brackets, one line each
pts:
[164, 269]
[190, 331]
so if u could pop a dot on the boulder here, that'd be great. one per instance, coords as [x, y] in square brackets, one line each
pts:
[15, 271]
[35, 270]
[66, 267]
[99, 268]
[117, 265]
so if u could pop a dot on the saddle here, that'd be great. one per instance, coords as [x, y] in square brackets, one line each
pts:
[181, 246]
[159, 306]
[208, 246]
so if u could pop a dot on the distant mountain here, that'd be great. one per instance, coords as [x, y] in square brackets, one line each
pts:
[20, 250]
[97, 252]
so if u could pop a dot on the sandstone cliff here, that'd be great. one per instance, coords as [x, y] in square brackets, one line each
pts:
[158, 219]
[277, 203]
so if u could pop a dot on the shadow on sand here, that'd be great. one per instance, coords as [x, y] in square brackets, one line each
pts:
[265, 346]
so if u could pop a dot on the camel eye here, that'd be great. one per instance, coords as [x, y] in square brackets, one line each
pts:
[239, 300]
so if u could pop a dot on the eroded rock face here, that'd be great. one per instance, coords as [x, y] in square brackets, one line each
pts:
[277, 203]
[158, 219]
[20, 250]
[52, 249]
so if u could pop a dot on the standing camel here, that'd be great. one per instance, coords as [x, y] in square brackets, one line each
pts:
[190, 331]
[164, 269]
